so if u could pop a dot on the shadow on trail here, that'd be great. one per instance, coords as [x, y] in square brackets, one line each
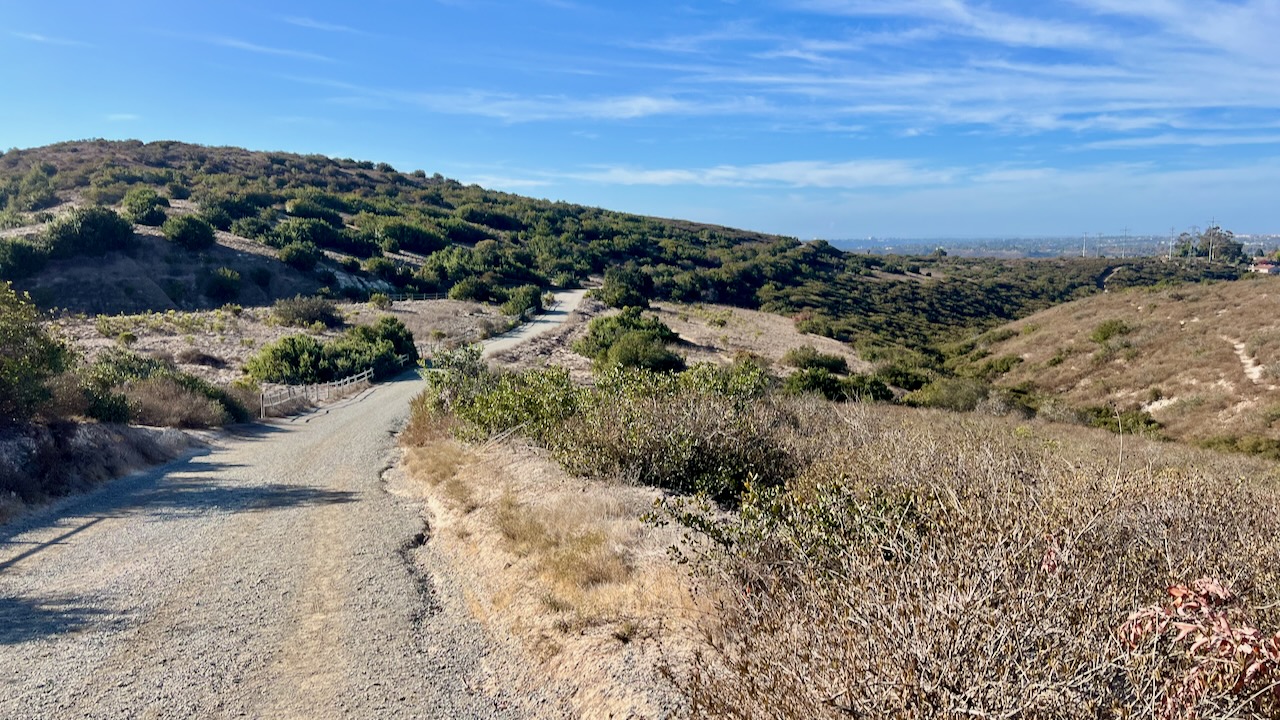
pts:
[28, 618]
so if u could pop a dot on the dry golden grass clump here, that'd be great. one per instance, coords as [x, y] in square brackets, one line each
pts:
[938, 566]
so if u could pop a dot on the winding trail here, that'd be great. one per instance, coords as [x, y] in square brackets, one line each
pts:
[269, 576]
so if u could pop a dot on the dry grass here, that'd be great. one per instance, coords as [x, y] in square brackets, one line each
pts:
[937, 566]
[1180, 360]
[215, 344]
[162, 402]
[719, 333]
[563, 566]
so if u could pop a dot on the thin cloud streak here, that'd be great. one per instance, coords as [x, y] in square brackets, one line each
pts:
[267, 50]
[313, 24]
[48, 40]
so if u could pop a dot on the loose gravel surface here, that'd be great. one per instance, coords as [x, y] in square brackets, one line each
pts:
[269, 576]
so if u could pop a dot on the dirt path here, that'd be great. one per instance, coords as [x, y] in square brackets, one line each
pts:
[566, 303]
[270, 576]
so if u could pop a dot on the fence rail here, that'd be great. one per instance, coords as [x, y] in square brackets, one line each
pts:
[402, 297]
[316, 393]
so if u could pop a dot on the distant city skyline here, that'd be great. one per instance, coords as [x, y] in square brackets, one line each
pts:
[811, 118]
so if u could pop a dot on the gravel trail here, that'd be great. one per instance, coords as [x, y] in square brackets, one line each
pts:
[270, 576]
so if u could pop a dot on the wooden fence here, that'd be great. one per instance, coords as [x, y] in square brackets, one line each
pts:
[268, 399]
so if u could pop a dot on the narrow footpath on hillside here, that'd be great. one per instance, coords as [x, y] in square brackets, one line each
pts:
[270, 575]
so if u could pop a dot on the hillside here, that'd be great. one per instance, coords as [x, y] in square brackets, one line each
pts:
[1203, 360]
[290, 223]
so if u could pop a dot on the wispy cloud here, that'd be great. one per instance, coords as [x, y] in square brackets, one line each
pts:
[1172, 139]
[49, 40]
[313, 24]
[268, 50]
[123, 117]
[796, 174]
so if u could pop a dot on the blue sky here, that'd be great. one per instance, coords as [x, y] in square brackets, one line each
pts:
[813, 118]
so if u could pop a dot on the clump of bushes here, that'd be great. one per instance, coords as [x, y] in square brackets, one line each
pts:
[222, 285]
[625, 286]
[301, 359]
[124, 386]
[88, 231]
[189, 232]
[820, 381]
[300, 255]
[1108, 329]
[709, 429]
[144, 206]
[526, 298]
[300, 311]
[629, 339]
[807, 357]
[29, 357]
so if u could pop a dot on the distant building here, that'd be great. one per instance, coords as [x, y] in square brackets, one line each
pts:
[1266, 267]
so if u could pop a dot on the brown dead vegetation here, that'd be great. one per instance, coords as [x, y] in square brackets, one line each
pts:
[1203, 359]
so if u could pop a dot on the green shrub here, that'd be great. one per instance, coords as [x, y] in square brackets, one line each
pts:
[815, 380]
[254, 228]
[639, 349]
[1133, 421]
[143, 206]
[178, 191]
[222, 285]
[189, 232]
[806, 357]
[155, 392]
[300, 255]
[88, 231]
[307, 208]
[1108, 329]
[472, 288]
[603, 332]
[381, 301]
[625, 286]
[302, 311]
[412, 237]
[866, 388]
[29, 357]
[20, 259]
[955, 394]
[526, 298]
[301, 359]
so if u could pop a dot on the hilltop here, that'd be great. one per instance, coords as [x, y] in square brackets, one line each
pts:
[285, 224]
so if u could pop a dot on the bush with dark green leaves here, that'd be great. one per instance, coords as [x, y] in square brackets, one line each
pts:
[29, 357]
[88, 231]
[604, 332]
[144, 206]
[307, 208]
[412, 237]
[386, 347]
[807, 357]
[222, 285]
[21, 259]
[638, 349]
[300, 255]
[625, 286]
[189, 232]
[300, 311]
[526, 298]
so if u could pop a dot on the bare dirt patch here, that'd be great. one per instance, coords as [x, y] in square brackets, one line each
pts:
[717, 333]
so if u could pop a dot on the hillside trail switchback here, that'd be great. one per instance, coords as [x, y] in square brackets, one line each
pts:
[271, 575]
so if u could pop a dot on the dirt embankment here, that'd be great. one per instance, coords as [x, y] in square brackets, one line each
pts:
[40, 462]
